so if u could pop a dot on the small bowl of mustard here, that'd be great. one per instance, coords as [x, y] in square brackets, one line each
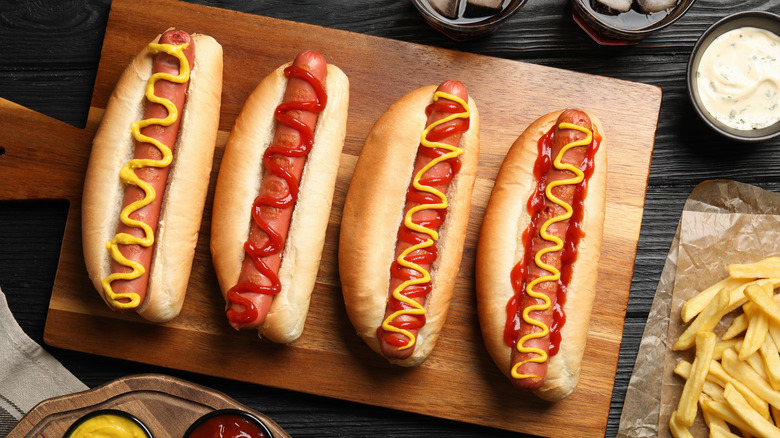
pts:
[733, 76]
[108, 422]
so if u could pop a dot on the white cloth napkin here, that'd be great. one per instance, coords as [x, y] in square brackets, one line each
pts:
[28, 374]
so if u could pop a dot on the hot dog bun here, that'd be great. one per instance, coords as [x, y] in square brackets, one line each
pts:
[373, 212]
[239, 184]
[185, 195]
[500, 247]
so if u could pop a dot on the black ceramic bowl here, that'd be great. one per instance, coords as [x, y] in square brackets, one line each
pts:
[236, 412]
[762, 20]
[462, 27]
[625, 28]
[114, 412]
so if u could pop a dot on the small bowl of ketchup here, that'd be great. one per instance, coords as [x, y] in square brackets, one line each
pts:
[225, 423]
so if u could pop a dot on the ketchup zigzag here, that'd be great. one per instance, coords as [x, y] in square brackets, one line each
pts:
[539, 355]
[128, 176]
[275, 242]
[428, 197]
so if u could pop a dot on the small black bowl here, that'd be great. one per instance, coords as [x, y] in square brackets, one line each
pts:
[762, 20]
[220, 412]
[626, 28]
[114, 412]
[460, 29]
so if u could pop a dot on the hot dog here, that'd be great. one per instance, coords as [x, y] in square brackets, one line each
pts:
[274, 192]
[404, 220]
[148, 175]
[538, 252]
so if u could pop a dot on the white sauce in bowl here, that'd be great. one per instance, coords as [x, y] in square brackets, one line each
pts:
[738, 78]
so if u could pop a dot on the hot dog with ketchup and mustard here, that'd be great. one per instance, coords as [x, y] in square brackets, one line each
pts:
[274, 193]
[405, 218]
[148, 175]
[538, 252]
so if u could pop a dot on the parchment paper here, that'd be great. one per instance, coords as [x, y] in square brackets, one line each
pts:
[723, 222]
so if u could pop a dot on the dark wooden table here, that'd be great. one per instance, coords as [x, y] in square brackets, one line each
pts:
[49, 53]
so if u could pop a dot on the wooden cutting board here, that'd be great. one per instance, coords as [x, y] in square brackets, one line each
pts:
[47, 159]
[165, 404]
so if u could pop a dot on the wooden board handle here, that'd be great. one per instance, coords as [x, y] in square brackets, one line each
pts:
[43, 158]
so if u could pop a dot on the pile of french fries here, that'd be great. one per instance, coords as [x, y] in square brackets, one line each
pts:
[735, 380]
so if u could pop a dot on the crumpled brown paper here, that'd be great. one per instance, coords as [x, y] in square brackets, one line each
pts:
[723, 222]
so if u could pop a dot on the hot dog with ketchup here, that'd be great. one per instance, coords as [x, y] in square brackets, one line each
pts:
[405, 218]
[148, 175]
[538, 252]
[274, 192]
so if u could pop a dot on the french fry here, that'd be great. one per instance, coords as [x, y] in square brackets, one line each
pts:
[686, 408]
[765, 302]
[711, 388]
[738, 325]
[757, 329]
[755, 361]
[677, 429]
[705, 321]
[767, 268]
[771, 359]
[758, 424]
[723, 378]
[758, 323]
[724, 411]
[695, 305]
[757, 364]
[745, 374]
[737, 296]
[774, 332]
[720, 346]
[717, 425]
[719, 432]
[683, 369]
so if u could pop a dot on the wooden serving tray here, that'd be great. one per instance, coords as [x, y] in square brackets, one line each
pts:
[165, 404]
[47, 159]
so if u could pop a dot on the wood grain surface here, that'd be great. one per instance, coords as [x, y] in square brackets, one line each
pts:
[166, 405]
[458, 377]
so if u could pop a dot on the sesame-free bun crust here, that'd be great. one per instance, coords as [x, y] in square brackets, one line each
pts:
[185, 194]
[238, 185]
[500, 247]
[373, 212]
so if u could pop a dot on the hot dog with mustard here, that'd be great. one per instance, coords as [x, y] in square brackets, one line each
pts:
[148, 175]
[405, 218]
[538, 252]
